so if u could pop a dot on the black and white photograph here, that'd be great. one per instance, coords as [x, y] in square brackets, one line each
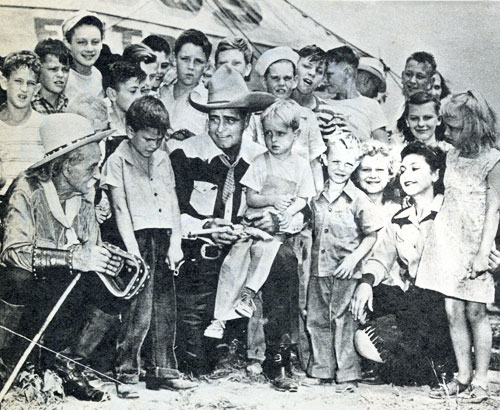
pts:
[249, 205]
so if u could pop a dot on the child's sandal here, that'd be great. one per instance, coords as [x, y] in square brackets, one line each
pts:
[451, 389]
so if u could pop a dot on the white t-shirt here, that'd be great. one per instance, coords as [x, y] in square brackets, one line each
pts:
[84, 84]
[182, 114]
[364, 114]
[20, 146]
[268, 173]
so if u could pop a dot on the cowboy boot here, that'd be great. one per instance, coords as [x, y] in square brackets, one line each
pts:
[75, 383]
[10, 317]
[277, 367]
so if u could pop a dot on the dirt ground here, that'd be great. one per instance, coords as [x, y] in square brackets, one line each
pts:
[235, 392]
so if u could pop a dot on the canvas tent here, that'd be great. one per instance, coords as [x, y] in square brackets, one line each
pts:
[265, 23]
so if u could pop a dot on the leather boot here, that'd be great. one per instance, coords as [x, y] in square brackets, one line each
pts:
[75, 383]
[277, 367]
[10, 345]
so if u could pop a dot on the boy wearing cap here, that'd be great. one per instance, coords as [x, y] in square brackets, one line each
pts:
[83, 33]
[278, 70]
[142, 185]
[370, 80]
[55, 60]
[19, 123]
[364, 115]
[192, 52]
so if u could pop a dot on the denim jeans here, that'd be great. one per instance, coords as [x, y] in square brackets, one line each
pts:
[332, 328]
[153, 310]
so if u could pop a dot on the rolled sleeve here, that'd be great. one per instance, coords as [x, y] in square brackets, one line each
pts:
[112, 173]
[382, 257]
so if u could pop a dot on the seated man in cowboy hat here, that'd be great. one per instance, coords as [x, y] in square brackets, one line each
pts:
[51, 233]
[208, 171]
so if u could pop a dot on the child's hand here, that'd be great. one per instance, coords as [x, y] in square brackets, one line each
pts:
[346, 268]
[361, 301]
[174, 256]
[285, 219]
[282, 202]
[479, 266]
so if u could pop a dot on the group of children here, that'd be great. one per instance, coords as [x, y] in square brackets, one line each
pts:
[334, 158]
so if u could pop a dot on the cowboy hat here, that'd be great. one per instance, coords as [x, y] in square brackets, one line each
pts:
[374, 66]
[227, 89]
[63, 133]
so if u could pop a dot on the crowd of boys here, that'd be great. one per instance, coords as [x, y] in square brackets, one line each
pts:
[269, 171]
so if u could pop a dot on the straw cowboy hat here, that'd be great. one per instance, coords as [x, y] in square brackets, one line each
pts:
[227, 89]
[63, 133]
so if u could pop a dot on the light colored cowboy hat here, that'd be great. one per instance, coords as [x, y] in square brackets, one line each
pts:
[63, 133]
[374, 66]
[274, 55]
[227, 89]
[75, 18]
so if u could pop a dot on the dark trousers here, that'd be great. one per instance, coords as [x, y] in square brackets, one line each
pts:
[153, 310]
[196, 290]
[280, 297]
[26, 302]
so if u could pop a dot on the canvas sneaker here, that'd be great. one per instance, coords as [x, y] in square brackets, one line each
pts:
[216, 329]
[245, 306]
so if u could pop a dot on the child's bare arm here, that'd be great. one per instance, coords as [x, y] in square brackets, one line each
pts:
[480, 261]
[175, 254]
[348, 265]
[123, 220]
[297, 206]
[256, 200]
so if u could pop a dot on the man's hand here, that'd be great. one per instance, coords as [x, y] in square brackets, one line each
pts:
[174, 256]
[282, 202]
[362, 298]
[493, 260]
[226, 238]
[95, 259]
[346, 269]
[264, 221]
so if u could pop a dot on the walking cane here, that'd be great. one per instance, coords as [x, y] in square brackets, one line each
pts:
[35, 340]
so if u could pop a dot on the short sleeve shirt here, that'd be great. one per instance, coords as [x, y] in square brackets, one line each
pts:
[149, 194]
[182, 114]
[294, 169]
[20, 147]
[339, 227]
[84, 84]
[364, 114]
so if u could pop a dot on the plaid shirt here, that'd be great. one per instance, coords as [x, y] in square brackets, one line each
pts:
[40, 104]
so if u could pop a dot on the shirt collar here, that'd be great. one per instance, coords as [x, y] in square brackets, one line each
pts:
[202, 146]
[410, 213]
[349, 189]
[129, 154]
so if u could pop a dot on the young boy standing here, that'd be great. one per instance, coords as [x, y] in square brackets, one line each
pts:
[142, 185]
[364, 115]
[55, 60]
[122, 89]
[345, 229]
[83, 33]
[19, 123]
[192, 52]
[161, 49]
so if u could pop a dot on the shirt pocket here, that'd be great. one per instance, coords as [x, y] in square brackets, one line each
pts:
[203, 197]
